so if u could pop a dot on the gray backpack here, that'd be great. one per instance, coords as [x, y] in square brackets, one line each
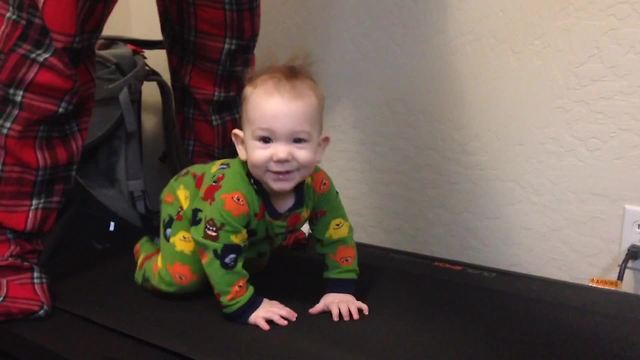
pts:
[111, 190]
[112, 163]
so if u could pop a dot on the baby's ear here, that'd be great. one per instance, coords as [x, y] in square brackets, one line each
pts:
[237, 136]
[322, 146]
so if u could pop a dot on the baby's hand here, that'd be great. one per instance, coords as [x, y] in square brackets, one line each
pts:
[340, 304]
[274, 311]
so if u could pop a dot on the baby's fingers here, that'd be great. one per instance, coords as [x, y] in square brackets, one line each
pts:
[354, 311]
[281, 314]
[364, 307]
[276, 318]
[344, 310]
[335, 312]
[288, 313]
[318, 308]
[262, 324]
[356, 307]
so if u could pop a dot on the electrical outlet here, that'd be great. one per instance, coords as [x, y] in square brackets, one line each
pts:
[631, 232]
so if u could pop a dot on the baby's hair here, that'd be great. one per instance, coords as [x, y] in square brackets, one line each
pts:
[291, 78]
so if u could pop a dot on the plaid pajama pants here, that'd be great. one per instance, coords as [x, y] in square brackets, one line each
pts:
[46, 95]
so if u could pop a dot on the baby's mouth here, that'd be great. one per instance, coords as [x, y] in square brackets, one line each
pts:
[281, 172]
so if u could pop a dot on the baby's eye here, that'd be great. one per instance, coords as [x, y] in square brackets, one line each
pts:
[299, 140]
[265, 139]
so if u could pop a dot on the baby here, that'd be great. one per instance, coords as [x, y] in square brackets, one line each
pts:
[221, 220]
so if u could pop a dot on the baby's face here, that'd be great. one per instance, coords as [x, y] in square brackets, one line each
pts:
[282, 138]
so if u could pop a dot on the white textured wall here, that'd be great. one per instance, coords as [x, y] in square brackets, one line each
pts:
[498, 132]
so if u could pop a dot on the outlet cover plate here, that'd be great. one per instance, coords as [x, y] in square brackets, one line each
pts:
[631, 233]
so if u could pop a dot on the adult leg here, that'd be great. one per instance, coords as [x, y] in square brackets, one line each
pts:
[46, 94]
[210, 47]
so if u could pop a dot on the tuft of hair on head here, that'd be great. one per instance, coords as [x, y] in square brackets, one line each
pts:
[296, 68]
[292, 77]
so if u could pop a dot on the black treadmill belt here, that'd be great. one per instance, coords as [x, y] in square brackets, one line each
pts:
[418, 310]
[64, 336]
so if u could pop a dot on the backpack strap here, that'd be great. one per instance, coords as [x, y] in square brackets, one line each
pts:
[133, 153]
[133, 66]
[174, 152]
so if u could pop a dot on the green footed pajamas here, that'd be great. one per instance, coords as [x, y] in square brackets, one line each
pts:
[217, 222]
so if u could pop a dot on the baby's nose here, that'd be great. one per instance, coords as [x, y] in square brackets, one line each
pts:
[281, 152]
